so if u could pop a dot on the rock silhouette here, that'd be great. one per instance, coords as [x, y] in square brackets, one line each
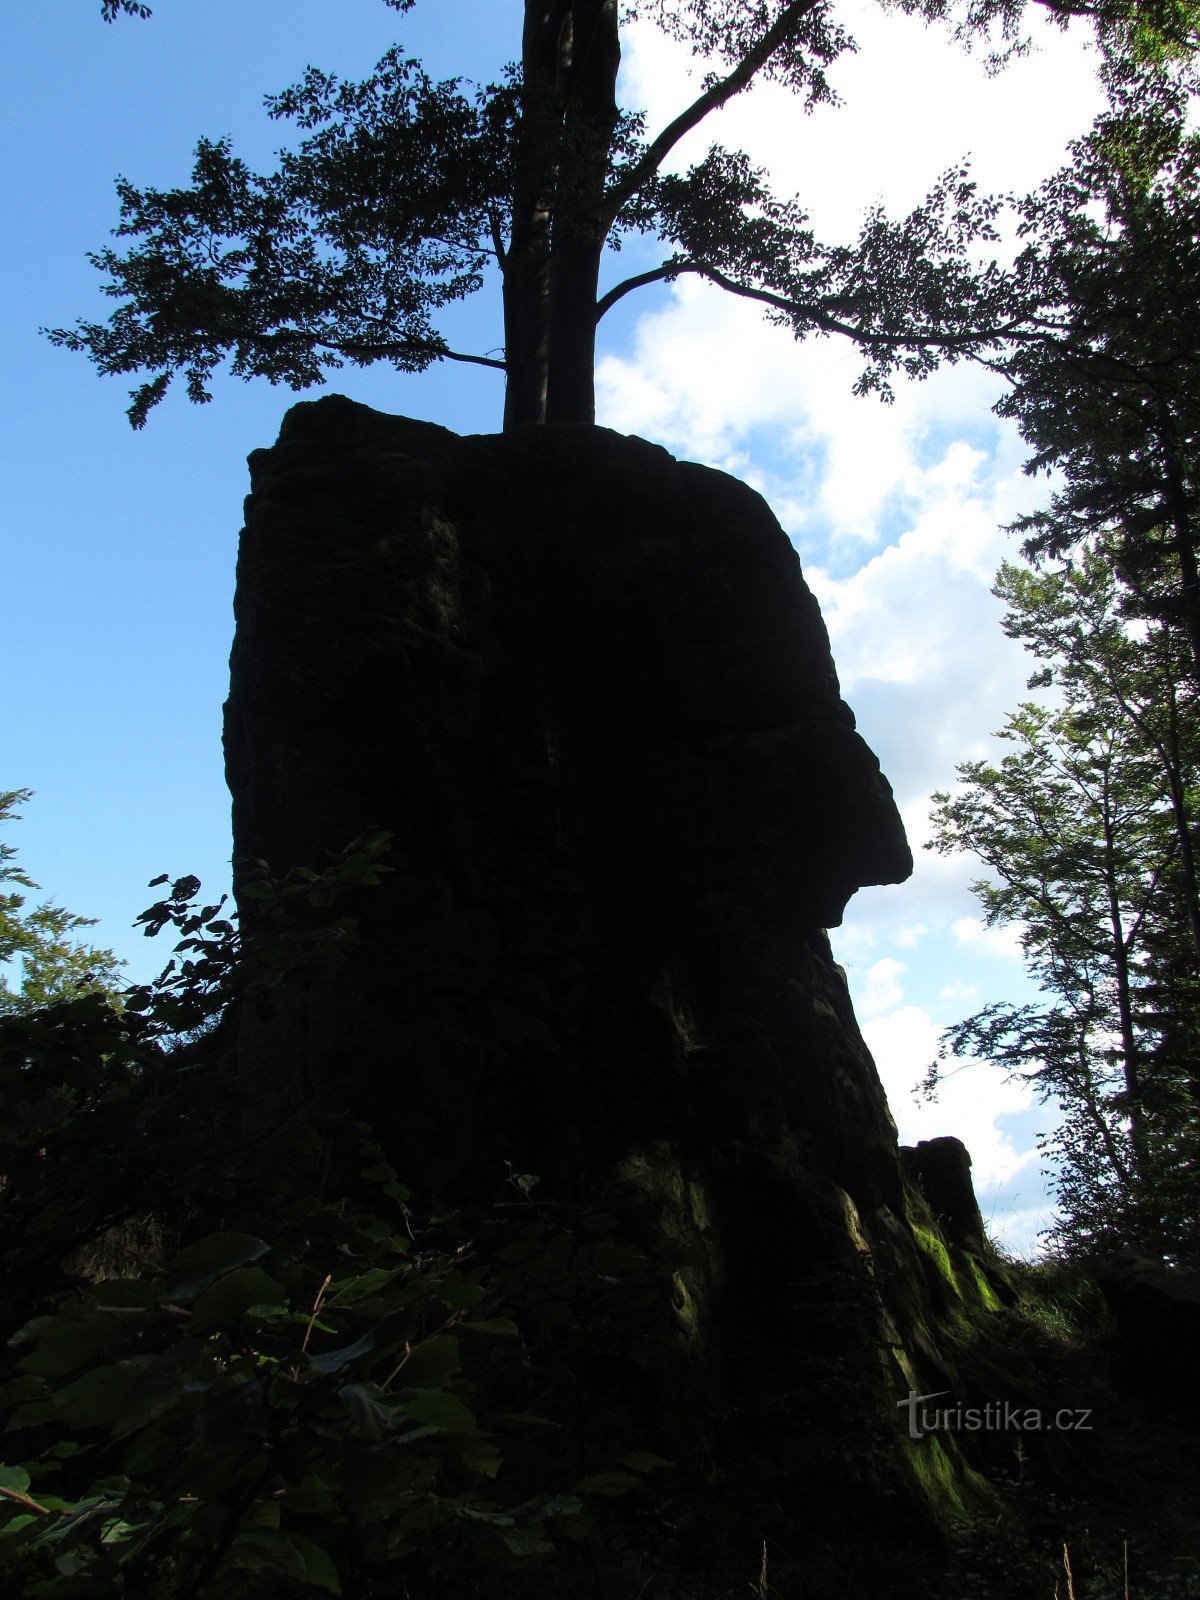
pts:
[586, 689]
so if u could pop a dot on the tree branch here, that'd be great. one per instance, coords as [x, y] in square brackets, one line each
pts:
[713, 98]
[385, 347]
[816, 314]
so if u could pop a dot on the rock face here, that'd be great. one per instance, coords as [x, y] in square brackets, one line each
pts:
[586, 689]
[589, 693]
[941, 1170]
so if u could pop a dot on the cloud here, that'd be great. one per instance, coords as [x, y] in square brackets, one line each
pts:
[1003, 943]
[897, 511]
[971, 1100]
[881, 989]
[913, 102]
[959, 991]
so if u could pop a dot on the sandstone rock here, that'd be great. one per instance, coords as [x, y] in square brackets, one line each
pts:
[589, 693]
[941, 1170]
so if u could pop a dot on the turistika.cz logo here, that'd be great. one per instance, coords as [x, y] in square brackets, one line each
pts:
[997, 1416]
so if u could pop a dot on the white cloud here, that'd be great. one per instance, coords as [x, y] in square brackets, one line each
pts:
[896, 511]
[971, 1100]
[914, 102]
[881, 989]
[1003, 943]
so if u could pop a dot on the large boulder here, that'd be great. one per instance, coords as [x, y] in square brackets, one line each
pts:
[586, 689]
[941, 1170]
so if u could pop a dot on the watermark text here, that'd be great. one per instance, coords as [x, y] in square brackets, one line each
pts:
[996, 1416]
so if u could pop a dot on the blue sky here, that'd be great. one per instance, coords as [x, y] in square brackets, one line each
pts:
[119, 548]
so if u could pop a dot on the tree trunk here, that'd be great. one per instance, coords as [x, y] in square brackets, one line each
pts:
[527, 262]
[580, 223]
[570, 56]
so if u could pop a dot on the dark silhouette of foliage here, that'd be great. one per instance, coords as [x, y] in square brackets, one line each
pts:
[287, 1393]
[52, 962]
[1089, 828]
[406, 193]
[1111, 401]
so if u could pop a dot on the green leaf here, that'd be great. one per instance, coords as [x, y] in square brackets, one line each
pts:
[265, 1550]
[366, 1414]
[355, 1290]
[438, 1409]
[644, 1461]
[96, 1399]
[525, 1542]
[231, 1297]
[14, 1478]
[71, 1342]
[432, 1362]
[201, 1264]
[609, 1483]
[458, 1294]
[503, 1326]
[335, 1360]
[480, 1456]
[319, 1570]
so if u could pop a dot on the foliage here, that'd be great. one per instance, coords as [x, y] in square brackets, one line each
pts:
[407, 193]
[105, 1109]
[315, 1392]
[1089, 828]
[323, 1415]
[1110, 401]
[53, 965]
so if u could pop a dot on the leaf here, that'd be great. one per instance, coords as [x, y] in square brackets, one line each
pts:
[369, 1283]
[335, 1360]
[644, 1461]
[15, 1478]
[319, 1570]
[525, 1542]
[201, 1264]
[609, 1483]
[503, 1326]
[480, 1456]
[96, 1399]
[366, 1415]
[265, 1550]
[432, 1362]
[69, 1343]
[231, 1297]
[438, 1409]
[457, 1294]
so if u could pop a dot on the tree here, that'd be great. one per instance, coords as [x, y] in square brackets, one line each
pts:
[1111, 400]
[407, 193]
[53, 965]
[1089, 828]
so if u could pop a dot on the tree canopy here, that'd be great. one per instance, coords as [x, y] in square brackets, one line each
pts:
[405, 194]
[1088, 826]
[1110, 398]
[37, 943]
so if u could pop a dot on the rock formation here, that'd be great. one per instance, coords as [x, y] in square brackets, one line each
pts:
[588, 692]
[941, 1170]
